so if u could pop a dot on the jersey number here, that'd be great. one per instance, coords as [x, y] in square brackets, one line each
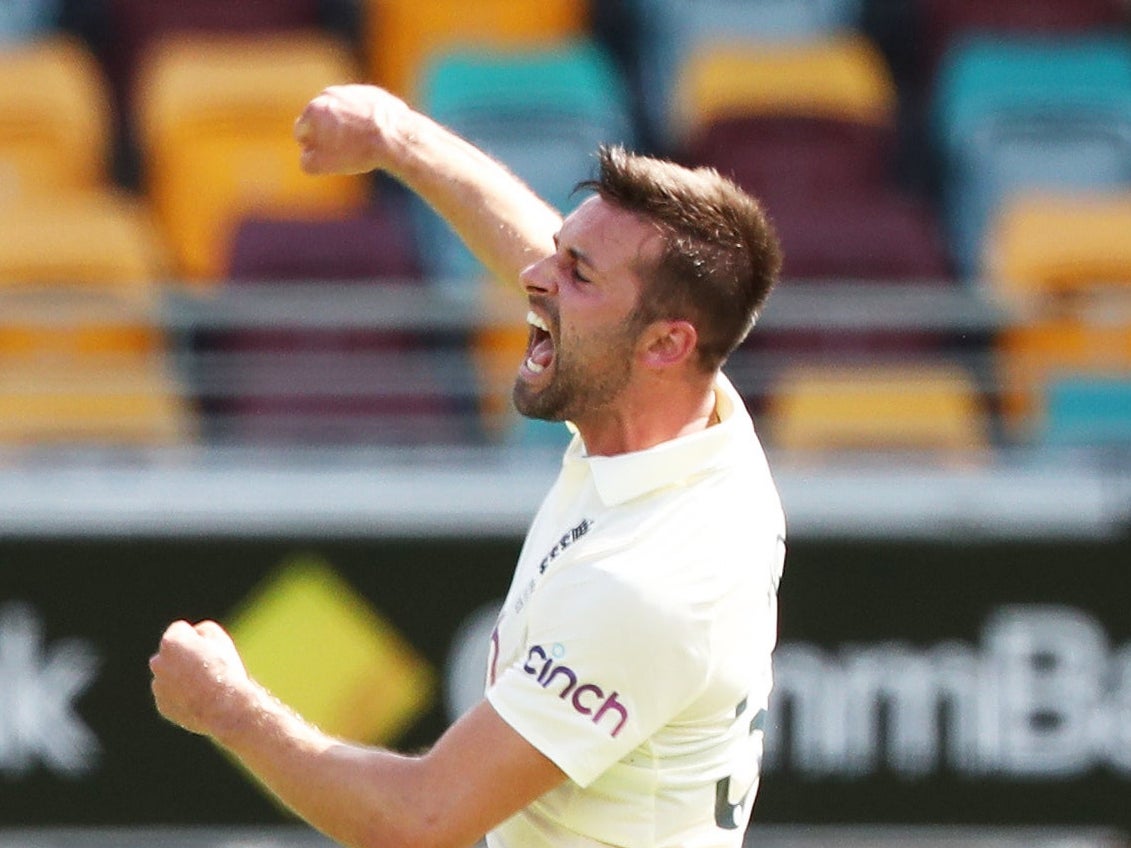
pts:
[730, 815]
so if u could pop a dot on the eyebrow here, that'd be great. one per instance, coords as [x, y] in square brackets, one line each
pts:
[578, 256]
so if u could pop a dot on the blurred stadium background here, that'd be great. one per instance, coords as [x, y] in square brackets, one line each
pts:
[229, 390]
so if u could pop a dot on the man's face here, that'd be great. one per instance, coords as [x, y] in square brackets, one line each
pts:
[583, 336]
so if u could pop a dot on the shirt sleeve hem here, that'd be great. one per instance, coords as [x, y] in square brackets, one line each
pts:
[573, 770]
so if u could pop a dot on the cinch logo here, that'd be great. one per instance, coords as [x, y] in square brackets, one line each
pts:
[589, 699]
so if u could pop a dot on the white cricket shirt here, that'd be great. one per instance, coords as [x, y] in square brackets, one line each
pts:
[633, 648]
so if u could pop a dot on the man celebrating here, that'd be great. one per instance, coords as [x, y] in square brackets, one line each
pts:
[629, 669]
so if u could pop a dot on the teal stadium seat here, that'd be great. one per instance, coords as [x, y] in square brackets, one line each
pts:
[26, 20]
[1016, 113]
[542, 113]
[1089, 412]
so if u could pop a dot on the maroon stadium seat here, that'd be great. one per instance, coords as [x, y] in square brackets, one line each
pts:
[879, 236]
[296, 383]
[376, 244]
[781, 158]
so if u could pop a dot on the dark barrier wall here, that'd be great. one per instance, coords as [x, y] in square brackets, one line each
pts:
[917, 683]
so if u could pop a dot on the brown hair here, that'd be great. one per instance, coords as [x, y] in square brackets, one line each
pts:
[721, 255]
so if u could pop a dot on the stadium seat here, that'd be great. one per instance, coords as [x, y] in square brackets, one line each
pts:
[943, 23]
[264, 390]
[1088, 412]
[843, 79]
[218, 112]
[988, 77]
[294, 381]
[22, 21]
[922, 408]
[542, 113]
[1045, 247]
[402, 37]
[880, 235]
[367, 246]
[137, 26]
[1033, 355]
[1021, 114]
[671, 31]
[1073, 152]
[783, 159]
[92, 402]
[82, 352]
[81, 240]
[55, 120]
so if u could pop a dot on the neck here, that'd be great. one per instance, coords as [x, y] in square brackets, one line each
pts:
[639, 423]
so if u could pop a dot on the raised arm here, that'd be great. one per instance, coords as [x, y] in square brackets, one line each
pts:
[479, 773]
[353, 129]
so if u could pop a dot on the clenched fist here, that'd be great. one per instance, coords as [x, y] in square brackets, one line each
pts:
[199, 680]
[350, 129]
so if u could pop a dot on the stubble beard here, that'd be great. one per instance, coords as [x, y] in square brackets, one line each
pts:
[580, 389]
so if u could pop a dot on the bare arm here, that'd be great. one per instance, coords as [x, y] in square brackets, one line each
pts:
[359, 128]
[478, 774]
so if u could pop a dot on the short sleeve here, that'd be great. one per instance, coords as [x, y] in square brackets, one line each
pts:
[608, 660]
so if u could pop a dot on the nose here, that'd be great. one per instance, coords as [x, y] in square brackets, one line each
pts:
[538, 277]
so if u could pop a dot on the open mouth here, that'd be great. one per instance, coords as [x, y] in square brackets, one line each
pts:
[540, 348]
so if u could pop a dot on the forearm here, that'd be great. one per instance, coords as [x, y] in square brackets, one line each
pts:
[502, 221]
[358, 796]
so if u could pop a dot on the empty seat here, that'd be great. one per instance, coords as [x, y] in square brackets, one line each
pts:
[1032, 356]
[1047, 246]
[541, 113]
[113, 404]
[403, 36]
[878, 235]
[1018, 114]
[1088, 412]
[55, 120]
[293, 380]
[371, 245]
[784, 159]
[843, 78]
[22, 21]
[219, 113]
[942, 23]
[81, 240]
[988, 77]
[933, 408]
[138, 25]
[671, 31]
[1071, 152]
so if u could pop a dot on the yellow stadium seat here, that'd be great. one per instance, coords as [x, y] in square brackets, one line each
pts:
[1030, 356]
[81, 347]
[844, 78]
[1048, 246]
[91, 402]
[215, 118]
[402, 36]
[55, 119]
[932, 408]
[82, 239]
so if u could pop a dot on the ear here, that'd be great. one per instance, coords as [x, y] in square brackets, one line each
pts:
[668, 343]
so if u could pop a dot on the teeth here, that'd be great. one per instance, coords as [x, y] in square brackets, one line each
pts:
[534, 367]
[535, 321]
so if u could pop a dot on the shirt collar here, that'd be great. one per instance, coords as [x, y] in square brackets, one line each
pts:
[621, 478]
